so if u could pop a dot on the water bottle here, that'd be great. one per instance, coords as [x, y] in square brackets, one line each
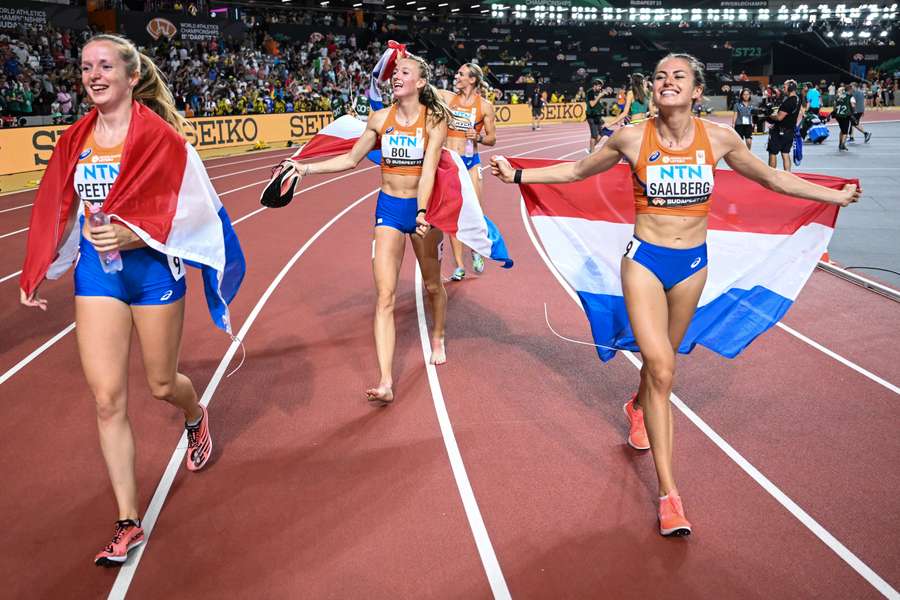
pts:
[470, 148]
[110, 261]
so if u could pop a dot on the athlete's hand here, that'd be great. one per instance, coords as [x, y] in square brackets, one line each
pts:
[472, 134]
[849, 194]
[501, 169]
[107, 238]
[422, 226]
[292, 172]
[32, 300]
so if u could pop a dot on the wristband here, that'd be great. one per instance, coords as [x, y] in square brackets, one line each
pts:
[517, 178]
[421, 211]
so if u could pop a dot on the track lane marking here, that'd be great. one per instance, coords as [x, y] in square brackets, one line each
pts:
[127, 571]
[467, 495]
[13, 232]
[792, 507]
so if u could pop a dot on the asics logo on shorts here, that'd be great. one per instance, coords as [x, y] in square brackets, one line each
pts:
[168, 295]
[695, 263]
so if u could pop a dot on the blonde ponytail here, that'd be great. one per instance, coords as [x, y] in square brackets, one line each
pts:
[151, 90]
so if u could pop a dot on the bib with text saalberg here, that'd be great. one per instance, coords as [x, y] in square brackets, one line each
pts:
[678, 185]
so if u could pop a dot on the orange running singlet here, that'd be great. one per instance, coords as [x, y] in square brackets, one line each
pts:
[674, 182]
[464, 117]
[403, 146]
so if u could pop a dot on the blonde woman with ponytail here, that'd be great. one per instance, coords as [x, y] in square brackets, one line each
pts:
[123, 156]
[410, 134]
[472, 123]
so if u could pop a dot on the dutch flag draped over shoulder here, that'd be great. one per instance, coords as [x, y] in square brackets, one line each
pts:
[162, 194]
[763, 247]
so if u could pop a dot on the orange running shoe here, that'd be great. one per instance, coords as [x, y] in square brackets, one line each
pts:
[199, 443]
[128, 535]
[671, 516]
[637, 433]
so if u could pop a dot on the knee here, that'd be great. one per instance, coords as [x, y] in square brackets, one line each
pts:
[659, 373]
[434, 287]
[162, 388]
[385, 301]
[110, 406]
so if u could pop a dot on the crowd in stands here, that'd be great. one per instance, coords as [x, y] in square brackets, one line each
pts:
[41, 75]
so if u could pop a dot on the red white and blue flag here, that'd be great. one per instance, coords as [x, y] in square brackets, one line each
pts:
[454, 206]
[382, 71]
[162, 194]
[763, 247]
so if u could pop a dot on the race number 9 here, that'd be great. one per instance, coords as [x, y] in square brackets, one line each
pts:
[176, 266]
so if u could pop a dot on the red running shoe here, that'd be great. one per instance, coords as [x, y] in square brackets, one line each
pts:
[637, 433]
[199, 443]
[128, 536]
[671, 516]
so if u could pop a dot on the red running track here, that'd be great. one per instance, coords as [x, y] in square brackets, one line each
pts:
[313, 493]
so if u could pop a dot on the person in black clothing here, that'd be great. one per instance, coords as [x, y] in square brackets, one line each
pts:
[594, 112]
[537, 107]
[781, 134]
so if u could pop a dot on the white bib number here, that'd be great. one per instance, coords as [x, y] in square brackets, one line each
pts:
[176, 266]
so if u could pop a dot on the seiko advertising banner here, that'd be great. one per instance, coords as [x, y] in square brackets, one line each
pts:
[18, 13]
[145, 28]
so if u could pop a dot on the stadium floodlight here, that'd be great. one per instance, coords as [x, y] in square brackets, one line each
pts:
[882, 34]
[411, 2]
[475, 6]
[357, 5]
[390, 6]
[323, 3]
[443, 4]
[830, 34]
[485, 10]
[846, 34]
[422, 8]
[454, 10]
[865, 34]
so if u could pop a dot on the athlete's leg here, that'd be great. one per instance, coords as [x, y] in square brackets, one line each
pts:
[786, 161]
[682, 304]
[648, 311]
[103, 331]
[389, 246]
[428, 254]
[159, 329]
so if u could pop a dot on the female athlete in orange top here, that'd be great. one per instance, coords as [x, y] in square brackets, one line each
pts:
[664, 268]
[410, 134]
[472, 122]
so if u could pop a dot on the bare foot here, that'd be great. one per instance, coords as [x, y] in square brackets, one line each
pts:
[438, 354]
[382, 394]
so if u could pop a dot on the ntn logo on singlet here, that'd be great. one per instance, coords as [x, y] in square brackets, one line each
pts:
[98, 172]
[677, 185]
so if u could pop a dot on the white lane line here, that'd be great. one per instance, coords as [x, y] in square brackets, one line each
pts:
[792, 507]
[882, 382]
[21, 364]
[14, 208]
[473, 514]
[10, 276]
[13, 232]
[127, 571]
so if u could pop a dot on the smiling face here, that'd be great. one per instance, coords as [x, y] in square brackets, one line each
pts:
[104, 76]
[745, 95]
[463, 79]
[674, 85]
[407, 78]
